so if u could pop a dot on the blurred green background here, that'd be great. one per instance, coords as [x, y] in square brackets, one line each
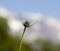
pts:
[10, 43]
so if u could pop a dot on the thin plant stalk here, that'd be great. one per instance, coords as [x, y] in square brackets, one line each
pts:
[21, 41]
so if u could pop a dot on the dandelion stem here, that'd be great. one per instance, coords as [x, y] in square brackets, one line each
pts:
[21, 41]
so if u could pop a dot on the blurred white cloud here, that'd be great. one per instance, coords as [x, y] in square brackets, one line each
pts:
[47, 27]
[4, 12]
[51, 28]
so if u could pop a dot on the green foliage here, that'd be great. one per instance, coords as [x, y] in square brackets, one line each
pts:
[47, 46]
[3, 29]
[25, 47]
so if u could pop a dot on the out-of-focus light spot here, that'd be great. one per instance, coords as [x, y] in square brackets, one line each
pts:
[15, 25]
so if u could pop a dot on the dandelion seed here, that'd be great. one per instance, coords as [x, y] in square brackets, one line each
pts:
[26, 24]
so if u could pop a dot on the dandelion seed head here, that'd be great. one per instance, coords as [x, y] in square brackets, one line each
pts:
[28, 20]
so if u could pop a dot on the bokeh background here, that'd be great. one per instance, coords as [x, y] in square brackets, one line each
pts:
[44, 35]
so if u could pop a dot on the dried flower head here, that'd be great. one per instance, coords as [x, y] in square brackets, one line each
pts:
[26, 24]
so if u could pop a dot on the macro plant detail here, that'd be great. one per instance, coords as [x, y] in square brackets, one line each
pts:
[26, 24]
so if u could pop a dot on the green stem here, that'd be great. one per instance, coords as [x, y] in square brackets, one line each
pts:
[22, 39]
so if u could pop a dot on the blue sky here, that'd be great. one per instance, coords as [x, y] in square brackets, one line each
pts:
[48, 7]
